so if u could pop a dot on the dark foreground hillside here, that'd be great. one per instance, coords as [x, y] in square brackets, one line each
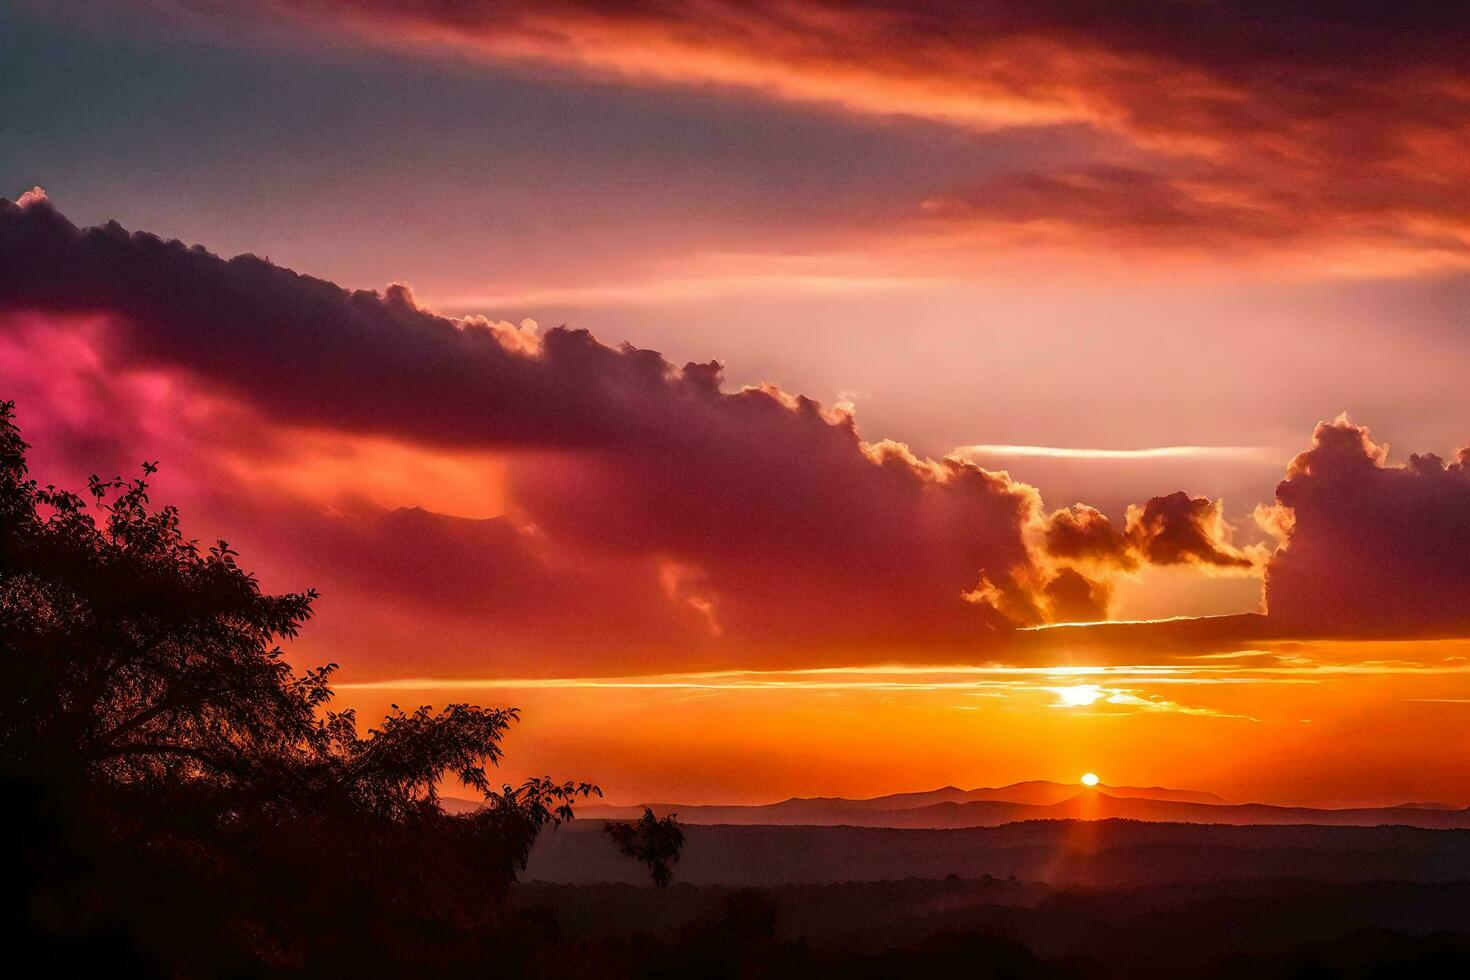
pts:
[1060, 899]
[1102, 854]
[1006, 928]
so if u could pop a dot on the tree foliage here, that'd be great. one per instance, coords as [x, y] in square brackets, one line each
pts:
[653, 841]
[147, 709]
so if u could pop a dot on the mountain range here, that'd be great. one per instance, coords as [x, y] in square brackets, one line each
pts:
[952, 807]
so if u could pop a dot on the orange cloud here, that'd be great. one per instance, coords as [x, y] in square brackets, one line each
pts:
[1085, 534]
[1176, 529]
[1179, 529]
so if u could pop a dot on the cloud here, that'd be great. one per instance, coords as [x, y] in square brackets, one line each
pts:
[1071, 597]
[1302, 216]
[784, 528]
[1370, 545]
[307, 351]
[1085, 534]
[1365, 548]
[1094, 697]
[1176, 529]
[454, 593]
[1229, 453]
[1179, 529]
[1323, 134]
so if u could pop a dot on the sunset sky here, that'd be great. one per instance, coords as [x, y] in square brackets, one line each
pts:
[750, 391]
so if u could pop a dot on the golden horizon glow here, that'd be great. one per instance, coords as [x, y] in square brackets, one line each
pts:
[1163, 719]
[1078, 695]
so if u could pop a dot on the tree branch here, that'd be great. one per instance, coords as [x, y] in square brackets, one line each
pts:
[145, 748]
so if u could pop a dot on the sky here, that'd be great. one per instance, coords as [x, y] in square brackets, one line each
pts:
[759, 394]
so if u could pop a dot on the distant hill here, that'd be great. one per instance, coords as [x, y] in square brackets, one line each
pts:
[951, 807]
[455, 804]
[1034, 792]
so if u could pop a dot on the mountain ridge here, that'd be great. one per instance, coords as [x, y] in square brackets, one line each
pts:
[950, 807]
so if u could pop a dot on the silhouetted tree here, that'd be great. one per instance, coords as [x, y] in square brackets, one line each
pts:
[657, 843]
[143, 697]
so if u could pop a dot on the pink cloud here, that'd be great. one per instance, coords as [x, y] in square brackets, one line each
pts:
[651, 518]
[1371, 545]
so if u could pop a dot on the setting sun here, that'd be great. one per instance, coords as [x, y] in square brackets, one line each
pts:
[1089, 779]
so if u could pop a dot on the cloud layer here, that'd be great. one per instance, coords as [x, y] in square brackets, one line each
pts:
[1323, 133]
[647, 517]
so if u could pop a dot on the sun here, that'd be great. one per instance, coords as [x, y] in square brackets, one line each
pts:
[1089, 779]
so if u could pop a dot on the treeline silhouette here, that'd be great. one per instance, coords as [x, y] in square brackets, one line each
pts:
[185, 803]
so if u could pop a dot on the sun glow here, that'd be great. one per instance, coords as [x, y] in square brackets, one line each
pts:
[1089, 779]
[1078, 695]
